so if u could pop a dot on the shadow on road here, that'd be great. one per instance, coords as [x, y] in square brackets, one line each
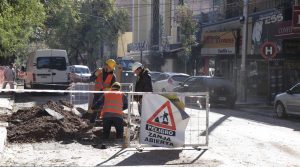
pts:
[261, 115]
[153, 157]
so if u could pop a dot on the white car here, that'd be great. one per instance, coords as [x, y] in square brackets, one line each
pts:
[79, 73]
[288, 102]
[166, 82]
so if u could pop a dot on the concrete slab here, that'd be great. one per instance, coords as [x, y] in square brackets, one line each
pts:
[5, 103]
[3, 136]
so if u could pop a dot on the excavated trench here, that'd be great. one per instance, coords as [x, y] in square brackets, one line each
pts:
[53, 121]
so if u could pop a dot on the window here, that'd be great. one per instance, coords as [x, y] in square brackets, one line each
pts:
[190, 81]
[58, 63]
[296, 89]
[162, 77]
[179, 78]
[43, 62]
[82, 70]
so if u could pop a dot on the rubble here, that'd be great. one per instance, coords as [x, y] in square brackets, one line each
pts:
[58, 121]
[36, 125]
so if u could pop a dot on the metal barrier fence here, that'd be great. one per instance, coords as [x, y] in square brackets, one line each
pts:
[83, 100]
[196, 106]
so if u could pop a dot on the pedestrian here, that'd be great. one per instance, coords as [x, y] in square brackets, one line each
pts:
[9, 77]
[111, 106]
[104, 78]
[143, 82]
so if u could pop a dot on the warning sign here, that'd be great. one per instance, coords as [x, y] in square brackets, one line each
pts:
[162, 122]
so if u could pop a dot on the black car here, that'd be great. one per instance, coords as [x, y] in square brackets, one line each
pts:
[221, 91]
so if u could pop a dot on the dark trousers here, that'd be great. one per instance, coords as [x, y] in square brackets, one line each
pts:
[117, 122]
[95, 113]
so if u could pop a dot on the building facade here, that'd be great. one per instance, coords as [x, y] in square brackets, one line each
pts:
[272, 59]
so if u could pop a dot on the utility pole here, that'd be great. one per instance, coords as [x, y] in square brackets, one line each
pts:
[244, 53]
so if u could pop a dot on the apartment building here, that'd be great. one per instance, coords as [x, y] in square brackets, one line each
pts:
[272, 64]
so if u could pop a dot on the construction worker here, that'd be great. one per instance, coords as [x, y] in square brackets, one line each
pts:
[111, 105]
[103, 78]
[143, 82]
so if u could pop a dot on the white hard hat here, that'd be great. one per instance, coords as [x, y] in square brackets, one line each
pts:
[136, 65]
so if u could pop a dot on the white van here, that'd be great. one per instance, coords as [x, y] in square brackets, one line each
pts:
[47, 68]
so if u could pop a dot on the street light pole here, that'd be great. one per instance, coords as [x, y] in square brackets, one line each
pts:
[244, 53]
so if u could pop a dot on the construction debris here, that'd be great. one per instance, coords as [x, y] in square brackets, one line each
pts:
[58, 121]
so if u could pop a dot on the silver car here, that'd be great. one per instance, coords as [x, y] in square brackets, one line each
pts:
[288, 102]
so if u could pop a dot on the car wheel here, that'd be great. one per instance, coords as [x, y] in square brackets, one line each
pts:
[280, 110]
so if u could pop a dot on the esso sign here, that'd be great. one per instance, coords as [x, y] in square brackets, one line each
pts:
[272, 18]
[268, 50]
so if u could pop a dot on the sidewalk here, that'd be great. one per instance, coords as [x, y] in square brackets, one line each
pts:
[254, 103]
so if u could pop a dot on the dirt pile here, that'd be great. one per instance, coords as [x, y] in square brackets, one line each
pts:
[36, 124]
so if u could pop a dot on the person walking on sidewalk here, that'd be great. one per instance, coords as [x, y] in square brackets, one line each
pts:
[143, 82]
[111, 107]
[103, 78]
[9, 77]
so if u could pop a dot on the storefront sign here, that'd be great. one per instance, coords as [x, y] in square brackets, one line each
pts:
[296, 17]
[268, 50]
[215, 43]
[139, 46]
[266, 28]
[162, 122]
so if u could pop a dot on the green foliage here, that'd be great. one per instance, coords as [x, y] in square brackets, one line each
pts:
[18, 23]
[184, 17]
[82, 27]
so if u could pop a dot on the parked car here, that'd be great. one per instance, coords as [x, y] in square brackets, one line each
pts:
[221, 91]
[288, 102]
[166, 82]
[154, 76]
[79, 73]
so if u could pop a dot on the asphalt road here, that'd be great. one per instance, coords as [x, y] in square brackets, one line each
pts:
[246, 136]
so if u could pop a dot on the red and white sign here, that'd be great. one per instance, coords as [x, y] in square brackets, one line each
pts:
[162, 122]
[268, 50]
[161, 117]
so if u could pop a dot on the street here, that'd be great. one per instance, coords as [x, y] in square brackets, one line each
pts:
[246, 136]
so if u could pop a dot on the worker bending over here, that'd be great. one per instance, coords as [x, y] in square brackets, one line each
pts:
[111, 106]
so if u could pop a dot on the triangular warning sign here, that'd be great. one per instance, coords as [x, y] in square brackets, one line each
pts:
[164, 122]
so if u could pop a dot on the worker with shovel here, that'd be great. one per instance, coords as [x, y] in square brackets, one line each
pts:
[111, 106]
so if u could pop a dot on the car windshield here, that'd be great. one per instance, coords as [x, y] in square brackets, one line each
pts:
[155, 75]
[82, 70]
[218, 82]
[179, 78]
[58, 63]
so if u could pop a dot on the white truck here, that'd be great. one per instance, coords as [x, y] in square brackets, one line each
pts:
[47, 68]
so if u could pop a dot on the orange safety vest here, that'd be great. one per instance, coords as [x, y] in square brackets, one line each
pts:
[113, 103]
[100, 85]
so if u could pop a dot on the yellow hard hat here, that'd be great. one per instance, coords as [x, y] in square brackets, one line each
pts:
[116, 86]
[111, 63]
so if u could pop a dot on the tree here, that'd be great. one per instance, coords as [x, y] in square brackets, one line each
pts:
[82, 27]
[188, 27]
[19, 21]
[100, 27]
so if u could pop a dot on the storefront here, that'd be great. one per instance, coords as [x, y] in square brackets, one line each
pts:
[274, 65]
[218, 53]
